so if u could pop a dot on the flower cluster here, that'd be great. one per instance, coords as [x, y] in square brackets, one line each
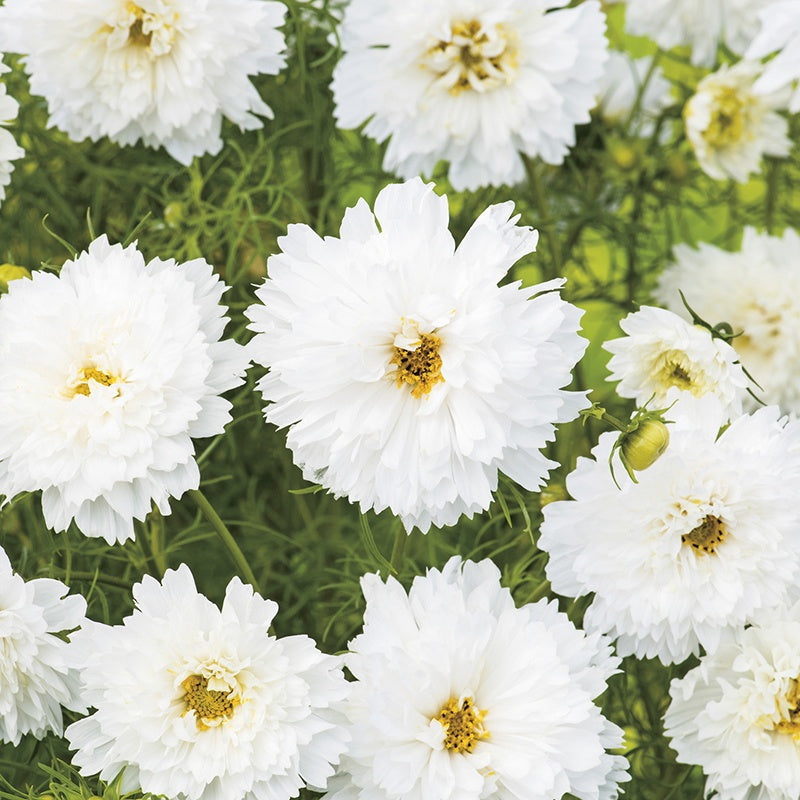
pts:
[418, 364]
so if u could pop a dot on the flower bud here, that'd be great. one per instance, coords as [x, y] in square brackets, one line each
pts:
[642, 447]
[8, 273]
[552, 493]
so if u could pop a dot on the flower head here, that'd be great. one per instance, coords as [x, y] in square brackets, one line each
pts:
[201, 703]
[35, 679]
[407, 377]
[701, 26]
[474, 83]
[780, 34]
[461, 695]
[9, 149]
[737, 714]
[731, 127]
[756, 289]
[163, 71]
[107, 371]
[665, 358]
[706, 540]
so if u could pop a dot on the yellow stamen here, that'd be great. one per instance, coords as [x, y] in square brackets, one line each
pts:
[420, 368]
[91, 373]
[462, 723]
[211, 707]
[706, 536]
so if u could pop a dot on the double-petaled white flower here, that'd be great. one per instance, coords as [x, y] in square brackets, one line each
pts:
[201, 703]
[459, 695]
[473, 82]
[35, 679]
[408, 378]
[107, 372]
[756, 290]
[163, 71]
[666, 360]
[737, 714]
[731, 126]
[701, 26]
[706, 540]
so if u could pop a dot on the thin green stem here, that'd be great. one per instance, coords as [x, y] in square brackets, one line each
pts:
[226, 537]
[399, 547]
[546, 221]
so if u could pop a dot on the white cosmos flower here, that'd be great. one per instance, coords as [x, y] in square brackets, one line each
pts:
[731, 127]
[35, 680]
[707, 538]
[780, 34]
[163, 71]
[406, 375]
[625, 81]
[198, 703]
[737, 714]
[9, 149]
[665, 358]
[755, 289]
[107, 371]
[459, 695]
[474, 82]
[702, 25]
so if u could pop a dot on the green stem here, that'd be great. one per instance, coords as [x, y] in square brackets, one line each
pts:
[225, 536]
[77, 575]
[398, 548]
[546, 221]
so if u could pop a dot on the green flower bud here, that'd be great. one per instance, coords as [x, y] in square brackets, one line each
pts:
[552, 494]
[641, 447]
[8, 273]
[174, 214]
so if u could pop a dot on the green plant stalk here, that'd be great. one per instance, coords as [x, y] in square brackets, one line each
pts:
[226, 537]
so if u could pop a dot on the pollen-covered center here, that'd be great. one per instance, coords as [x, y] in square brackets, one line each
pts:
[673, 368]
[727, 122]
[211, 707]
[462, 723]
[420, 367]
[474, 57]
[707, 536]
[81, 385]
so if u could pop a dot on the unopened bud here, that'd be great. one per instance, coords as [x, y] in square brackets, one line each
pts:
[625, 155]
[552, 493]
[641, 448]
[8, 273]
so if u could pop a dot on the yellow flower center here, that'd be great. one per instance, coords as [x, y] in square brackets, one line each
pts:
[706, 536]
[474, 57]
[727, 122]
[420, 368]
[674, 368]
[211, 707]
[87, 374]
[462, 723]
[136, 34]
